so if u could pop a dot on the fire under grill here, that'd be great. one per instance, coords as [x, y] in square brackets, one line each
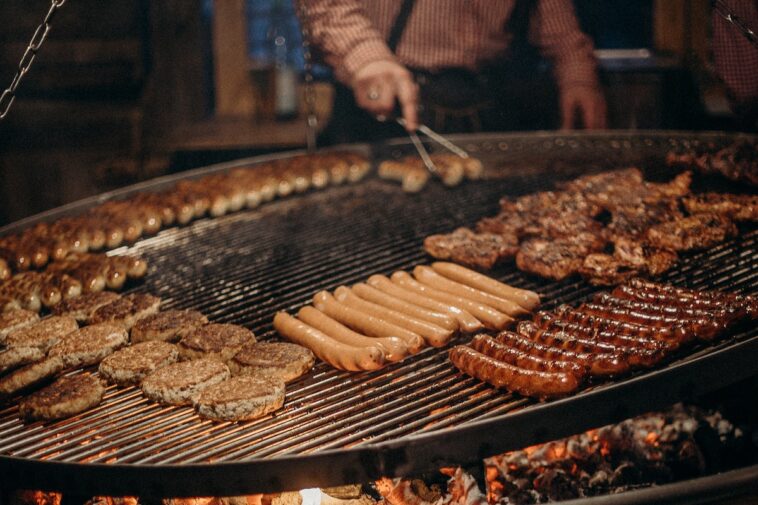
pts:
[337, 427]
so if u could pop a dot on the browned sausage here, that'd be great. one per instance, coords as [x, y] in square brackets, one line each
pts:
[337, 354]
[527, 299]
[732, 311]
[366, 324]
[602, 364]
[601, 332]
[434, 335]
[466, 321]
[720, 318]
[512, 378]
[428, 276]
[393, 347]
[516, 357]
[634, 357]
[373, 295]
[490, 317]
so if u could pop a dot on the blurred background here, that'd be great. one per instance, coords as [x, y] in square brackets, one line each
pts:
[128, 90]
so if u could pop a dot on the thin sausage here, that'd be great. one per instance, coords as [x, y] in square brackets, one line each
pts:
[718, 297]
[735, 311]
[512, 378]
[366, 324]
[337, 354]
[490, 317]
[393, 347]
[373, 295]
[434, 335]
[466, 321]
[428, 276]
[527, 299]
[719, 318]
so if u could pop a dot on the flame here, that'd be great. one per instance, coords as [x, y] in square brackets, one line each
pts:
[652, 438]
[27, 497]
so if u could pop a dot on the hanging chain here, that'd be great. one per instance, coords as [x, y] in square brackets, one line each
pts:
[9, 95]
[723, 10]
[310, 89]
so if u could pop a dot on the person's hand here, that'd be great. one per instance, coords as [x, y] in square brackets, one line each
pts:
[585, 103]
[377, 85]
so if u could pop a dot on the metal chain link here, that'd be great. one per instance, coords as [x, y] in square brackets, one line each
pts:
[40, 34]
[310, 90]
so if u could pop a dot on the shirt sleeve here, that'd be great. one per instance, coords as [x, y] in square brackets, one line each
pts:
[344, 34]
[555, 31]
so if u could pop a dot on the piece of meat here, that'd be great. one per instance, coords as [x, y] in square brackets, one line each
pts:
[633, 221]
[559, 258]
[698, 231]
[481, 250]
[735, 207]
[738, 162]
[644, 256]
[572, 202]
[597, 186]
[602, 269]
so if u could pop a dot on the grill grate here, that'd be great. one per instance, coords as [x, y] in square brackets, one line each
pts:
[243, 267]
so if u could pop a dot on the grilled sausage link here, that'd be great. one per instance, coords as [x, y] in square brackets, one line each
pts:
[366, 324]
[733, 311]
[598, 331]
[674, 336]
[393, 347]
[516, 357]
[373, 295]
[512, 378]
[490, 317]
[634, 357]
[428, 276]
[602, 364]
[467, 322]
[717, 298]
[434, 335]
[704, 325]
[527, 299]
[337, 354]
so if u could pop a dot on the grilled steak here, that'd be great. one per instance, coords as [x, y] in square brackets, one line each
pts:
[640, 254]
[464, 246]
[736, 207]
[633, 221]
[605, 270]
[698, 231]
[558, 258]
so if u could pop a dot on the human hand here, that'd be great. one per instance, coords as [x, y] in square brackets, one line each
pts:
[586, 102]
[379, 84]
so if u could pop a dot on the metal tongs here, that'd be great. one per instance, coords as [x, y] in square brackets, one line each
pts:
[441, 140]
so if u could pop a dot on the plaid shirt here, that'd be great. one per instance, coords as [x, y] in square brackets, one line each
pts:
[736, 59]
[444, 34]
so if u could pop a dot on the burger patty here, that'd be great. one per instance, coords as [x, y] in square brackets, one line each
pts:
[241, 398]
[130, 365]
[215, 341]
[282, 360]
[180, 383]
[89, 345]
[66, 397]
[82, 307]
[167, 326]
[126, 310]
[43, 334]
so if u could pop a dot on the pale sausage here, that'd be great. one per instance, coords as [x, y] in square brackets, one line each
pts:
[428, 276]
[466, 321]
[373, 295]
[337, 354]
[434, 335]
[394, 348]
[527, 299]
[490, 317]
[366, 324]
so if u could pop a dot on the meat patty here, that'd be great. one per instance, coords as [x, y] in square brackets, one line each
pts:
[180, 383]
[241, 398]
[215, 341]
[735, 207]
[130, 365]
[167, 326]
[30, 375]
[13, 320]
[559, 258]
[43, 334]
[698, 231]
[127, 310]
[89, 345]
[16, 357]
[463, 246]
[82, 307]
[65, 397]
[273, 359]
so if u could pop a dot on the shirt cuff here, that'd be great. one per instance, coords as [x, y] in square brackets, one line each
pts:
[361, 55]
